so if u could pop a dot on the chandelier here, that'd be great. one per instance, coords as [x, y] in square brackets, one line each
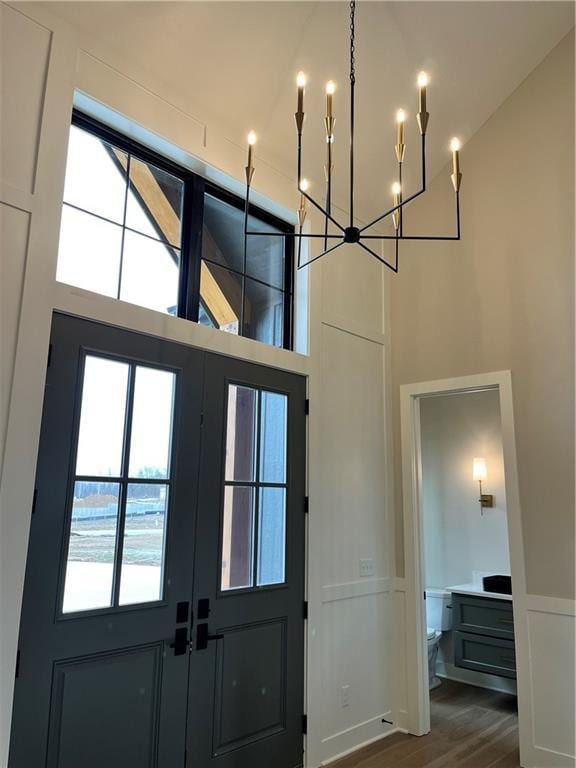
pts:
[350, 233]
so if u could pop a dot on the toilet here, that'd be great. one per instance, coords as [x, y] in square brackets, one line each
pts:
[438, 620]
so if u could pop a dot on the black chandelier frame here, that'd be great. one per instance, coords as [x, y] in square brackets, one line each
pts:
[352, 234]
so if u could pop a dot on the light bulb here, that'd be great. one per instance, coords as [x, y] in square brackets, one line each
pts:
[252, 138]
[423, 79]
[396, 188]
[330, 87]
[455, 144]
[304, 184]
[301, 80]
[400, 116]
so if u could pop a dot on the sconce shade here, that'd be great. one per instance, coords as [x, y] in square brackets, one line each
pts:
[479, 469]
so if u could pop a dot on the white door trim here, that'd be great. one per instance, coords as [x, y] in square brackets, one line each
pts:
[418, 702]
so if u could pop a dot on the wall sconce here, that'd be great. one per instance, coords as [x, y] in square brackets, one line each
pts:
[479, 473]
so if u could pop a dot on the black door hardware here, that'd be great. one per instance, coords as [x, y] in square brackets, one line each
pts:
[202, 637]
[180, 642]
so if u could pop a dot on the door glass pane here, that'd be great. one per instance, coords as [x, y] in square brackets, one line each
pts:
[263, 313]
[91, 546]
[143, 543]
[273, 415]
[89, 252]
[102, 417]
[221, 298]
[238, 527]
[154, 204]
[150, 272]
[95, 175]
[271, 536]
[241, 433]
[151, 437]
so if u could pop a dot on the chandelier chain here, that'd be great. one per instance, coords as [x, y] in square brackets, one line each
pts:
[352, 42]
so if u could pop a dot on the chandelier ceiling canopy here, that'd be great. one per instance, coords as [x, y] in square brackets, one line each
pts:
[349, 232]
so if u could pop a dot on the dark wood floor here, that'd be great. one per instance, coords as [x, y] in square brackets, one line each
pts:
[471, 728]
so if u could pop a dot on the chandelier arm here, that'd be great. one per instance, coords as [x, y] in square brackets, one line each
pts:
[352, 85]
[400, 200]
[308, 197]
[311, 261]
[408, 199]
[298, 265]
[423, 237]
[328, 187]
[394, 268]
[245, 255]
[294, 234]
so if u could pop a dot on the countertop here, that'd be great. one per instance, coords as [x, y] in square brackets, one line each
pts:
[477, 591]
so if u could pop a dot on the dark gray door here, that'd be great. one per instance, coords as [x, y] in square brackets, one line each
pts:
[247, 661]
[101, 681]
[148, 536]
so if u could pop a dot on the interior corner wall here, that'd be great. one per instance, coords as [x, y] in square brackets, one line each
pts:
[503, 298]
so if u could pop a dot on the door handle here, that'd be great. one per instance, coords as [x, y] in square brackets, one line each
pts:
[203, 637]
[180, 642]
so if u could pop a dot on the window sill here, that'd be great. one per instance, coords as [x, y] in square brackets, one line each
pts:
[69, 299]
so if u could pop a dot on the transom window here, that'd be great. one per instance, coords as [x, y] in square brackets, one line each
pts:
[143, 230]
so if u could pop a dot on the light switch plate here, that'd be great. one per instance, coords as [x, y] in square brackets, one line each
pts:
[367, 567]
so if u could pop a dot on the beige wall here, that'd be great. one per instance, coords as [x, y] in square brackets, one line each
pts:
[503, 298]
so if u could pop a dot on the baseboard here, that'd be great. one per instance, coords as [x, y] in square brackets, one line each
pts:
[477, 679]
[349, 740]
[539, 757]
[402, 720]
[357, 747]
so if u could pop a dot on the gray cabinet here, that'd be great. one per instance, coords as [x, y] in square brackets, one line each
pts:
[484, 635]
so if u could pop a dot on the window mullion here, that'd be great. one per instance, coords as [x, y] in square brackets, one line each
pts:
[124, 490]
[192, 223]
[124, 226]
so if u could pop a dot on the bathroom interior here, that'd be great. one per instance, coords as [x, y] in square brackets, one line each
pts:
[469, 607]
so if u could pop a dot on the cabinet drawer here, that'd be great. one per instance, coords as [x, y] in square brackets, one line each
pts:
[483, 615]
[491, 655]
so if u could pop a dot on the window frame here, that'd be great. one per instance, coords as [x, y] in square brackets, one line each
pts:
[195, 187]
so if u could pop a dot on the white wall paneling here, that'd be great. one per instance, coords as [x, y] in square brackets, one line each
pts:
[551, 642]
[350, 658]
[14, 225]
[58, 66]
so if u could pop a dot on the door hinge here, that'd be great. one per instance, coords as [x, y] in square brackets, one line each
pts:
[34, 498]
[424, 594]
[304, 724]
[305, 609]
[307, 407]
[48, 362]
[201, 419]
[17, 664]
[306, 505]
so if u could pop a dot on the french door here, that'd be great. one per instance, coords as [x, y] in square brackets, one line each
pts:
[162, 621]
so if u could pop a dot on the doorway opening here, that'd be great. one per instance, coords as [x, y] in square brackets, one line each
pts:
[464, 556]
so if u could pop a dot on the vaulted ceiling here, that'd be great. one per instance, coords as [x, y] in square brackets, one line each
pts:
[233, 64]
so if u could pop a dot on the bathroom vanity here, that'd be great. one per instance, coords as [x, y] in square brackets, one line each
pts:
[483, 625]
